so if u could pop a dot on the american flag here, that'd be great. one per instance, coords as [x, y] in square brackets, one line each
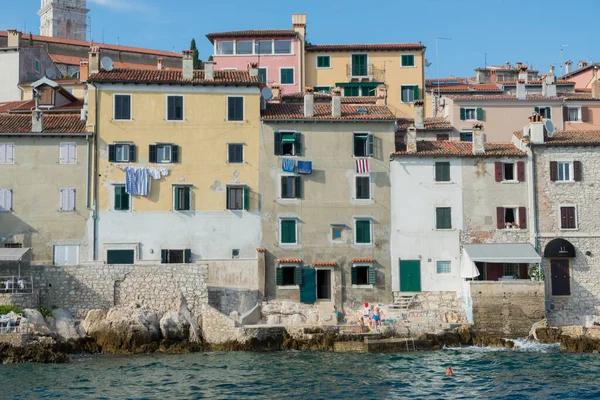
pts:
[362, 165]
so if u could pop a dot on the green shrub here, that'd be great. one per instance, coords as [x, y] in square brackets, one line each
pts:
[45, 311]
[5, 309]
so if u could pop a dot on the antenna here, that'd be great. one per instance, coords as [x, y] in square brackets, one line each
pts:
[90, 27]
[267, 93]
[562, 46]
[437, 59]
[107, 63]
[549, 126]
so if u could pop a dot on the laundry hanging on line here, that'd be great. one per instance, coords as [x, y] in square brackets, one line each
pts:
[304, 167]
[288, 164]
[137, 179]
[362, 165]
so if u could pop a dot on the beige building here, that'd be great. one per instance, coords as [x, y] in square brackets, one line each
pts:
[325, 193]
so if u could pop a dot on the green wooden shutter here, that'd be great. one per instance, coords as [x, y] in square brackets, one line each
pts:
[479, 114]
[246, 198]
[297, 187]
[278, 150]
[536, 110]
[548, 112]
[164, 256]
[131, 153]
[288, 231]
[363, 232]
[308, 289]
[298, 144]
[416, 92]
[370, 145]
[177, 198]
[462, 115]
[298, 276]
[152, 153]
[186, 198]
[118, 200]
[174, 153]
[279, 276]
[354, 275]
[112, 153]
[372, 275]
[188, 256]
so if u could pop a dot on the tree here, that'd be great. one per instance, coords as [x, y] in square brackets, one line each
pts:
[197, 61]
[30, 39]
[210, 58]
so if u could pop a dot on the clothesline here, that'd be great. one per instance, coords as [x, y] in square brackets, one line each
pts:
[137, 179]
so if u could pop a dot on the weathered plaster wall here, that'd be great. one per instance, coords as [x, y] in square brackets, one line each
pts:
[592, 116]
[9, 73]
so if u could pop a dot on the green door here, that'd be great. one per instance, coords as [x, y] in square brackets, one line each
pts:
[119, 256]
[410, 275]
[359, 65]
[308, 289]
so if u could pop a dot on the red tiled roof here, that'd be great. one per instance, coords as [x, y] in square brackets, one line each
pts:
[574, 138]
[580, 70]
[252, 33]
[173, 77]
[84, 43]
[299, 96]
[366, 47]
[472, 87]
[537, 82]
[583, 90]
[363, 260]
[11, 105]
[434, 148]
[261, 249]
[454, 79]
[324, 263]
[585, 96]
[431, 124]
[501, 97]
[29, 105]
[289, 260]
[73, 60]
[52, 123]
[276, 111]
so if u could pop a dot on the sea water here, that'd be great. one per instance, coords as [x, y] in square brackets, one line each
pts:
[528, 371]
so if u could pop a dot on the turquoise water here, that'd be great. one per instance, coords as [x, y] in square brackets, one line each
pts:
[537, 372]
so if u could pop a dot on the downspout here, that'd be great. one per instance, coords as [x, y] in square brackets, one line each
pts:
[95, 180]
[89, 169]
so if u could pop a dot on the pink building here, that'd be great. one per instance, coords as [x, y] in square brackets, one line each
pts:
[278, 53]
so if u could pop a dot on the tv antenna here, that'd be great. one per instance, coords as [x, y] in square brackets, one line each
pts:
[437, 59]
[562, 46]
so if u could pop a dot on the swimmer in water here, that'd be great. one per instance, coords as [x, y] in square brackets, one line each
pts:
[449, 372]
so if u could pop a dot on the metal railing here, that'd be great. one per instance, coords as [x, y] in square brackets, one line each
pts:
[13, 324]
[16, 284]
[365, 71]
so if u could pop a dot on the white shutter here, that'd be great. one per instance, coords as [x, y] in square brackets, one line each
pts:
[72, 153]
[3, 152]
[10, 153]
[72, 255]
[60, 255]
[64, 200]
[5, 199]
[71, 198]
[64, 153]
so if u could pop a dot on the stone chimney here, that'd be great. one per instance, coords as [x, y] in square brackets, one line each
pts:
[523, 74]
[159, 63]
[419, 106]
[568, 66]
[309, 102]
[209, 70]
[478, 139]
[507, 65]
[596, 88]
[14, 38]
[519, 64]
[411, 139]
[37, 117]
[188, 65]
[536, 128]
[582, 64]
[299, 24]
[84, 70]
[381, 95]
[276, 89]
[253, 69]
[336, 102]
[549, 84]
[94, 60]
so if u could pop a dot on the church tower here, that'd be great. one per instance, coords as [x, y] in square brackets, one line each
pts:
[63, 19]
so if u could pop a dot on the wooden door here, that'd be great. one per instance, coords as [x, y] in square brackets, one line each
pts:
[561, 279]
[410, 275]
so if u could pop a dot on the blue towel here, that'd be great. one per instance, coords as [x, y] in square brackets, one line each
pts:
[288, 164]
[304, 167]
[131, 181]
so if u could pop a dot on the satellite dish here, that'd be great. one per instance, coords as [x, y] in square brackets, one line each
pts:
[267, 93]
[50, 74]
[549, 126]
[427, 63]
[107, 63]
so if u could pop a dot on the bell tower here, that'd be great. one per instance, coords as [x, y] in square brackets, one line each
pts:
[63, 19]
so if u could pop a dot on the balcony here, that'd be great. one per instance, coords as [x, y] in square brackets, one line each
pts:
[364, 72]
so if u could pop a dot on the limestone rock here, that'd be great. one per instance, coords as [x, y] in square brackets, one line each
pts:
[64, 325]
[36, 321]
[174, 327]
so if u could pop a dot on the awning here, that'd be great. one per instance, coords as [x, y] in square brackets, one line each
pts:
[503, 253]
[559, 248]
[358, 84]
[13, 254]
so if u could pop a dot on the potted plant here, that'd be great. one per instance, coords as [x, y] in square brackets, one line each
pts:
[536, 273]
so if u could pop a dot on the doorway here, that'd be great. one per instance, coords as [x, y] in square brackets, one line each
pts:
[410, 275]
[323, 284]
[561, 279]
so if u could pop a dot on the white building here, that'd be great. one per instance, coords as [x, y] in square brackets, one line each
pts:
[63, 19]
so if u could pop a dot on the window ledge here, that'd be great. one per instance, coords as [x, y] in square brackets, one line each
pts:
[568, 229]
[509, 182]
[408, 66]
[444, 182]
[288, 287]
[363, 244]
[563, 182]
[362, 286]
[444, 229]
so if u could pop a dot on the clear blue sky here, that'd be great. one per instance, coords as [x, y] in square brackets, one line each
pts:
[507, 30]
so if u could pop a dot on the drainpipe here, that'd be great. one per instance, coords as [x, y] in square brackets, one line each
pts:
[95, 180]
[89, 169]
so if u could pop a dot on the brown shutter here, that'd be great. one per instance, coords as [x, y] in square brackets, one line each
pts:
[565, 114]
[584, 114]
[521, 171]
[522, 218]
[553, 171]
[563, 217]
[498, 171]
[500, 217]
[577, 171]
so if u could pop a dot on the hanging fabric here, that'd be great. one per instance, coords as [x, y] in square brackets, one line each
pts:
[288, 164]
[304, 167]
[362, 166]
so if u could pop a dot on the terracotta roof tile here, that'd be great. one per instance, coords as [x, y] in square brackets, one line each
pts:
[284, 111]
[433, 148]
[173, 77]
[536, 82]
[29, 105]
[579, 96]
[363, 260]
[583, 90]
[479, 87]
[324, 263]
[574, 138]
[73, 60]
[261, 249]
[11, 105]
[53, 123]
[449, 79]
[432, 124]
[252, 33]
[365, 47]
[289, 260]
[501, 97]
[299, 96]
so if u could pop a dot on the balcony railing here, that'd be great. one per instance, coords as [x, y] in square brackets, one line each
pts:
[364, 72]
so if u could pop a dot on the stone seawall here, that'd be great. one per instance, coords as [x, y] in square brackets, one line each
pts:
[22, 300]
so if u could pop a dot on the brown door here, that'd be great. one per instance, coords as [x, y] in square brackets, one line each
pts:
[561, 281]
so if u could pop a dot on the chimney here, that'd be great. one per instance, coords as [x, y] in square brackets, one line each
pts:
[159, 64]
[507, 65]
[419, 106]
[299, 24]
[276, 89]
[568, 66]
[309, 102]
[596, 88]
[519, 64]
[549, 84]
[582, 64]
[521, 91]
[336, 102]
[14, 38]
[411, 139]
[188, 66]
[523, 74]
[478, 147]
[84, 70]
[381, 95]
[209, 70]
[94, 60]
[536, 128]
[253, 69]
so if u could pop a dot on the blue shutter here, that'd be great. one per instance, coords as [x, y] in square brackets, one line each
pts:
[354, 275]
[298, 276]
[188, 256]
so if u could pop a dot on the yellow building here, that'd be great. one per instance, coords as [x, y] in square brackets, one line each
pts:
[359, 69]
[201, 130]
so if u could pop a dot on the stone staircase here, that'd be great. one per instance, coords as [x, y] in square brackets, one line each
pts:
[404, 302]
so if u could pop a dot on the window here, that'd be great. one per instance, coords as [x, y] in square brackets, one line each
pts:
[442, 171]
[174, 108]
[265, 46]
[67, 199]
[500, 77]
[235, 108]
[471, 114]
[409, 93]
[290, 187]
[7, 153]
[122, 109]
[363, 275]
[408, 60]
[287, 232]
[287, 76]
[287, 144]
[235, 153]
[262, 75]
[364, 144]
[511, 270]
[13, 245]
[36, 65]
[545, 112]
[350, 91]
[443, 267]
[360, 66]
[238, 198]
[363, 188]
[122, 152]
[568, 218]
[225, 47]
[66, 255]
[182, 196]
[243, 47]
[67, 153]
[367, 91]
[175, 256]
[283, 46]
[443, 218]
[573, 114]
[163, 153]
[122, 199]
[563, 171]
[337, 233]
[362, 231]
[442, 137]
[5, 200]
[508, 172]
[322, 89]
[288, 276]
[511, 217]
[466, 136]
[323, 62]
[120, 256]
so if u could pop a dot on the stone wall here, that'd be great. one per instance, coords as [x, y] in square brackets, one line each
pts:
[228, 300]
[508, 309]
[22, 300]
[15, 339]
